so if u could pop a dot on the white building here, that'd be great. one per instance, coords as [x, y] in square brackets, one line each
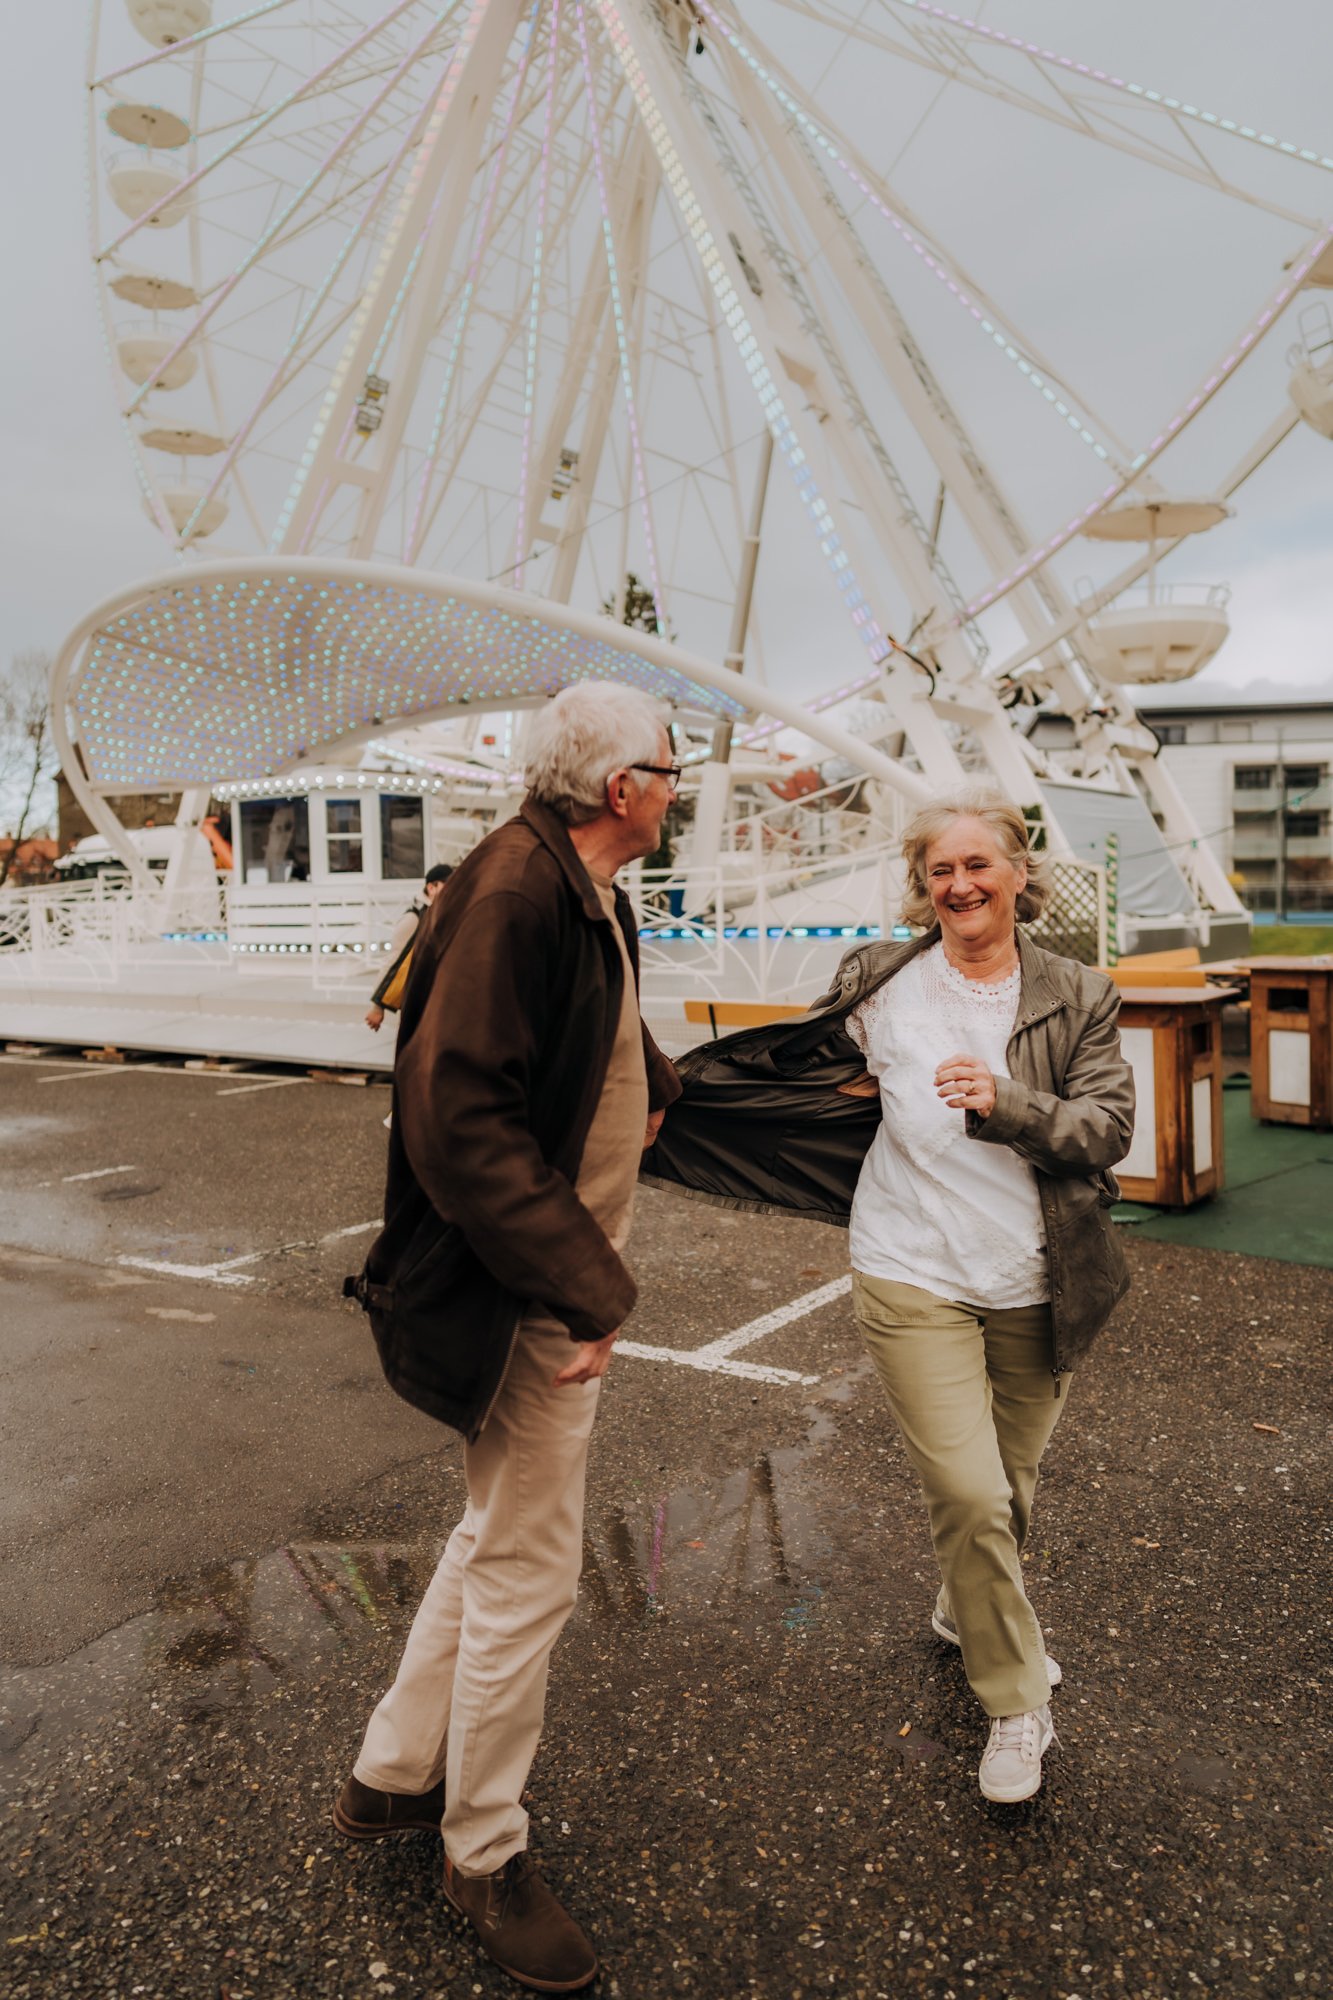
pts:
[1237, 763]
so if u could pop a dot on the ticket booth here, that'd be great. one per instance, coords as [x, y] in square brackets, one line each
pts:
[1291, 1041]
[1172, 1040]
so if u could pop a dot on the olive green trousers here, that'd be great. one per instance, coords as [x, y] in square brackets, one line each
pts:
[972, 1393]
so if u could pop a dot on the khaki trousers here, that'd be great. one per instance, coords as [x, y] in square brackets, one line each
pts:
[470, 1694]
[973, 1396]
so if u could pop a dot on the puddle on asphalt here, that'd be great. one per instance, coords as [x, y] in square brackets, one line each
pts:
[218, 1644]
[747, 1545]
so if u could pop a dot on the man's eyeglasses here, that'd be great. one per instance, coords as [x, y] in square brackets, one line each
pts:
[671, 772]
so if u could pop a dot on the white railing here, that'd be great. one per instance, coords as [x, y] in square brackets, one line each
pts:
[335, 933]
[779, 942]
[95, 932]
[1152, 596]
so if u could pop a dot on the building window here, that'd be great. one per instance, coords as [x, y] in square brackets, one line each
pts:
[1303, 826]
[343, 822]
[1303, 777]
[1253, 777]
[275, 840]
[402, 838]
[1168, 732]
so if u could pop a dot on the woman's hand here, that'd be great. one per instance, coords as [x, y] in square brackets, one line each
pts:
[965, 1084]
[374, 1017]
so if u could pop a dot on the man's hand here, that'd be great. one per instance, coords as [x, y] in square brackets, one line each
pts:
[374, 1017]
[591, 1358]
[654, 1127]
[965, 1084]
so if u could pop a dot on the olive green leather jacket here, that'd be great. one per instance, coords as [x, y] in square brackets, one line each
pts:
[765, 1122]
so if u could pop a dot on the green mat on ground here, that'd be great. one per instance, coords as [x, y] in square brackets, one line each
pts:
[1278, 1198]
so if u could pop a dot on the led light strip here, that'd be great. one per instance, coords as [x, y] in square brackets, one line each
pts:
[764, 730]
[534, 304]
[1172, 104]
[931, 258]
[429, 138]
[618, 314]
[475, 772]
[756, 367]
[479, 246]
[1221, 374]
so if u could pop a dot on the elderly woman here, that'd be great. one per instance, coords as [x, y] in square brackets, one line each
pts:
[965, 1095]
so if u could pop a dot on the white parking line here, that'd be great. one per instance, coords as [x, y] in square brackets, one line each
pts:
[87, 1070]
[213, 1274]
[271, 1083]
[229, 1271]
[97, 1174]
[715, 1357]
[748, 1371]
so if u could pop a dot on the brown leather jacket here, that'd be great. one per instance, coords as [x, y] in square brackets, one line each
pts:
[765, 1122]
[507, 1027]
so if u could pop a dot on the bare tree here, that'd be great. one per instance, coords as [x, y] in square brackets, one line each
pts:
[27, 754]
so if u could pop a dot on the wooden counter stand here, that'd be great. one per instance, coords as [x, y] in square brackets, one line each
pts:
[1172, 1039]
[1291, 1040]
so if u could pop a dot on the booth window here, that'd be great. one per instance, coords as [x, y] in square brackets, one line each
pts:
[343, 821]
[275, 840]
[402, 838]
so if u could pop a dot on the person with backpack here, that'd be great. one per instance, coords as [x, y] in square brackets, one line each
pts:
[388, 994]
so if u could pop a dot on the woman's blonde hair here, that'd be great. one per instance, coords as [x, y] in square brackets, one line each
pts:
[1005, 821]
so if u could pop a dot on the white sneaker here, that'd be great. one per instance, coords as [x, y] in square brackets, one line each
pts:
[945, 1629]
[1011, 1765]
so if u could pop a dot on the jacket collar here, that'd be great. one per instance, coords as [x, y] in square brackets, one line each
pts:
[553, 834]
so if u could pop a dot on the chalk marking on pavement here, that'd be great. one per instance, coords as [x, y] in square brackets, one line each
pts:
[97, 1174]
[354, 1229]
[715, 1357]
[272, 1083]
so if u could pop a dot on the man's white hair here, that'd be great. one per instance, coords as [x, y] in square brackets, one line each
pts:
[581, 737]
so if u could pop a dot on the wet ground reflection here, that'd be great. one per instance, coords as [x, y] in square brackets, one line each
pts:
[745, 1545]
[221, 1642]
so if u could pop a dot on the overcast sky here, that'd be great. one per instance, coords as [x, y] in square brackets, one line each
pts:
[73, 525]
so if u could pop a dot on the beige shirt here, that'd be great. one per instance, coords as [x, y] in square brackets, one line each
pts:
[609, 1170]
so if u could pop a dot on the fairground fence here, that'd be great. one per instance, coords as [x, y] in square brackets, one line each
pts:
[749, 928]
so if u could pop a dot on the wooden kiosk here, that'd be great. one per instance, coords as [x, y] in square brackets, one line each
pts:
[1172, 1040]
[1291, 1040]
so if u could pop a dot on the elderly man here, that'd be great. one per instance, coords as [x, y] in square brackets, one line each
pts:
[525, 1089]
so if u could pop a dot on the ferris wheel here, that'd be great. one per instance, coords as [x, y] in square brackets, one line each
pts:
[533, 292]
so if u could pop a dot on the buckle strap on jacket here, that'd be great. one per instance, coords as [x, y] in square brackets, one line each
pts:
[370, 1297]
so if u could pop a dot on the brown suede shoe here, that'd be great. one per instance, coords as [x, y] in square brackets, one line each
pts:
[363, 1813]
[520, 1924]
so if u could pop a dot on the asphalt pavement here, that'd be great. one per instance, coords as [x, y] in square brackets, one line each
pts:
[758, 1774]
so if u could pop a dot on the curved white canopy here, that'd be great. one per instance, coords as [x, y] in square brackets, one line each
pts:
[242, 669]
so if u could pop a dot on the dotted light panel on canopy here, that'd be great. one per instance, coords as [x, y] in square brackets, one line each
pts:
[237, 677]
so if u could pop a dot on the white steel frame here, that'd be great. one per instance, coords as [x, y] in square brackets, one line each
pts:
[545, 111]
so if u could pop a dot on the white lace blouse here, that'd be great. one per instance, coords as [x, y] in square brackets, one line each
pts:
[933, 1207]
